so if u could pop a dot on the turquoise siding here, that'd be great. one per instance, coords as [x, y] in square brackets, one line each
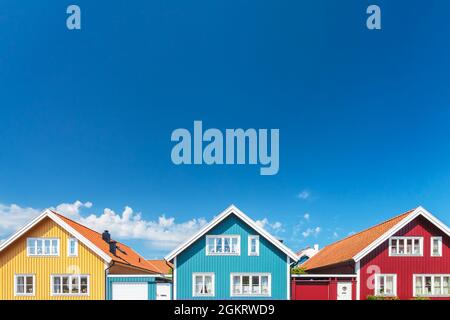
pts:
[194, 259]
[150, 280]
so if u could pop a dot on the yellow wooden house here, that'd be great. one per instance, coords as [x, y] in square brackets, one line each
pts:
[54, 257]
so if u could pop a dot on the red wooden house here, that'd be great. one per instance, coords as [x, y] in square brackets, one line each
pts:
[407, 257]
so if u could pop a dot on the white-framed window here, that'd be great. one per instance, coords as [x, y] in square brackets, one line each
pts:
[431, 285]
[24, 284]
[253, 245]
[42, 247]
[406, 246]
[436, 247]
[203, 284]
[72, 247]
[251, 284]
[69, 285]
[223, 245]
[386, 285]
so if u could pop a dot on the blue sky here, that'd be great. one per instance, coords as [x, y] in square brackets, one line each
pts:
[87, 115]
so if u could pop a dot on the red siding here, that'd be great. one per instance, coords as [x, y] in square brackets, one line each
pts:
[405, 267]
[318, 288]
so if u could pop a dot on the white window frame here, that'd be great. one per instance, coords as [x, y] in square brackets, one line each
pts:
[432, 295]
[223, 236]
[36, 240]
[213, 283]
[250, 275]
[70, 276]
[377, 284]
[76, 247]
[404, 239]
[25, 294]
[250, 238]
[439, 247]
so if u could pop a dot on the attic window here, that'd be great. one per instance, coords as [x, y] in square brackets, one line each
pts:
[406, 246]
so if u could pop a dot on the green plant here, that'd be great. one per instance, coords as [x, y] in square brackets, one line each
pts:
[420, 298]
[371, 297]
[298, 270]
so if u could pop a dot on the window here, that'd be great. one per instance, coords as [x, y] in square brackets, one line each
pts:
[431, 285]
[24, 285]
[386, 285]
[251, 284]
[66, 285]
[222, 245]
[406, 246]
[436, 246]
[203, 284]
[72, 247]
[253, 245]
[42, 247]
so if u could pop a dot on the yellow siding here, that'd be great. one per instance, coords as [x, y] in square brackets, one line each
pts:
[14, 260]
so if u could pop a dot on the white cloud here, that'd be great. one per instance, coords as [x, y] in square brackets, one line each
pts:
[163, 233]
[72, 210]
[12, 217]
[274, 227]
[304, 195]
[306, 216]
[335, 234]
[311, 232]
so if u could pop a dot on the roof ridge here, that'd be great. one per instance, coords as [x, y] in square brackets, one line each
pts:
[374, 226]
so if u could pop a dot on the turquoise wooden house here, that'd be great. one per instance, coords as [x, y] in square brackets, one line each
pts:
[231, 258]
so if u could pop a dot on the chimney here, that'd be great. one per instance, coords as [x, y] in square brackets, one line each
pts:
[113, 247]
[106, 236]
[316, 247]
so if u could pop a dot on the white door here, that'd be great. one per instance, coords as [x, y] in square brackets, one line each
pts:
[344, 291]
[163, 291]
[129, 291]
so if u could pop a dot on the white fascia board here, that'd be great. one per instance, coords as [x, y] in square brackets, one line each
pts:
[231, 209]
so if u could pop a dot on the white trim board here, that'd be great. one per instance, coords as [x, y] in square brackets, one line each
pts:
[324, 275]
[48, 213]
[231, 210]
[420, 211]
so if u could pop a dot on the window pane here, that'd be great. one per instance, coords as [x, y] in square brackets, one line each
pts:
[236, 284]
[39, 246]
[419, 286]
[55, 247]
[427, 285]
[246, 284]
[416, 246]
[264, 284]
[31, 246]
[208, 285]
[394, 246]
[47, 247]
[56, 285]
[437, 286]
[219, 245]
[227, 245]
[84, 284]
[234, 245]
[75, 284]
[446, 285]
[210, 245]
[20, 284]
[389, 285]
[65, 285]
[255, 285]
[409, 244]
[401, 246]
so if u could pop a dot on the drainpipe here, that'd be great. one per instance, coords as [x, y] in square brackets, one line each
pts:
[106, 279]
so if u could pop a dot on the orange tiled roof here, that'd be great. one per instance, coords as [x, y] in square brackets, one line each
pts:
[345, 249]
[165, 267]
[124, 254]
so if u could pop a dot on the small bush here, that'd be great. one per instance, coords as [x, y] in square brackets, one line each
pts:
[298, 270]
[420, 298]
[381, 298]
